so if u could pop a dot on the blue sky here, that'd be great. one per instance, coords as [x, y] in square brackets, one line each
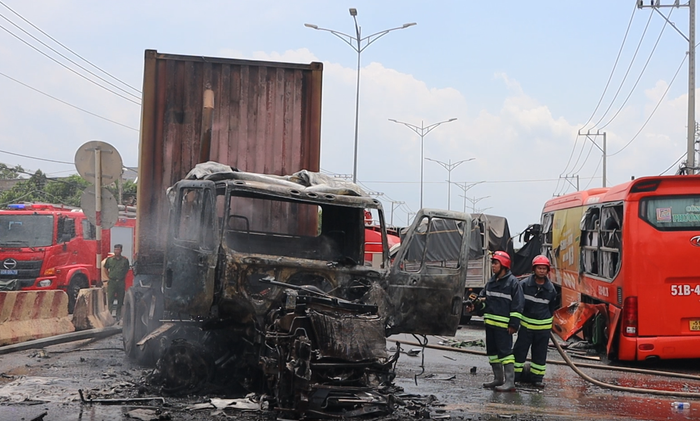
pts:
[520, 77]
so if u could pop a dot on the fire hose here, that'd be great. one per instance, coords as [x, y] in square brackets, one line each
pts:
[577, 370]
[616, 387]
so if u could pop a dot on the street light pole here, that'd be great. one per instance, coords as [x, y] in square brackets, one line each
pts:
[355, 42]
[422, 131]
[465, 188]
[449, 166]
[475, 200]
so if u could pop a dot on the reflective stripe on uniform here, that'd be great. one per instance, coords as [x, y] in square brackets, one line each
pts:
[535, 324]
[537, 369]
[499, 294]
[496, 320]
[519, 367]
[508, 359]
[536, 300]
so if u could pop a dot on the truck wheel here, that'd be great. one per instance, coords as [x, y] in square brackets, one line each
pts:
[78, 282]
[135, 325]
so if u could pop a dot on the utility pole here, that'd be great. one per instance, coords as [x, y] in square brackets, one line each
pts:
[394, 204]
[567, 177]
[408, 217]
[655, 5]
[588, 135]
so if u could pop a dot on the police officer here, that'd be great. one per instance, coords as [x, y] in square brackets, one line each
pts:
[536, 322]
[117, 267]
[500, 302]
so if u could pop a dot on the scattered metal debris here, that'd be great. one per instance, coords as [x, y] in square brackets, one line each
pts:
[117, 401]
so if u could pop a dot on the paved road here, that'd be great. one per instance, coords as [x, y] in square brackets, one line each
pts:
[566, 396]
[37, 382]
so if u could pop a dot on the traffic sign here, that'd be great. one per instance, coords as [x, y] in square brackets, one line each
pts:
[110, 210]
[110, 162]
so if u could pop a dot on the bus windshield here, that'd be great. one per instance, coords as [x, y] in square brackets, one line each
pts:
[26, 230]
[671, 213]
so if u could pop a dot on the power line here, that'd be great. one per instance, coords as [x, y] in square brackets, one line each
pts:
[38, 159]
[62, 45]
[624, 78]
[617, 59]
[66, 103]
[640, 74]
[594, 171]
[68, 68]
[602, 95]
[73, 62]
[654, 110]
[672, 165]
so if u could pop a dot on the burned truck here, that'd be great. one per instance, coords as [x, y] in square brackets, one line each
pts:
[251, 272]
[265, 286]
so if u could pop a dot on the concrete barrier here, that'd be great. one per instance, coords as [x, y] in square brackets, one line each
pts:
[28, 315]
[91, 310]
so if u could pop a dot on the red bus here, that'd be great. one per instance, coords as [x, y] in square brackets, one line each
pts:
[631, 250]
[46, 246]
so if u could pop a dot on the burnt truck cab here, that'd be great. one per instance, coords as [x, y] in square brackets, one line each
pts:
[268, 274]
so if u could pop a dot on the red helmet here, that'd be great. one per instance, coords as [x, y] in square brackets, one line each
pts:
[541, 261]
[502, 258]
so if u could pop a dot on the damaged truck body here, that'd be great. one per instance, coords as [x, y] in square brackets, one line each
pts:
[259, 281]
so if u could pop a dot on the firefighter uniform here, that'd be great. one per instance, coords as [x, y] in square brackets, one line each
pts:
[535, 325]
[503, 306]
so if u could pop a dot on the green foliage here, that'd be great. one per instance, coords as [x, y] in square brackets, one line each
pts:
[39, 188]
[10, 173]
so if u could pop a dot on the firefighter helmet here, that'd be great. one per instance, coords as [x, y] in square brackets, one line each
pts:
[541, 261]
[502, 257]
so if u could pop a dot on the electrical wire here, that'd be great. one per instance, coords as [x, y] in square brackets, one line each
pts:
[672, 165]
[640, 74]
[67, 58]
[64, 46]
[38, 159]
[66, 103]
[617, 59]
[602, 95]
[654, 110]
[590, 149]
[624, 78]
[68, 68]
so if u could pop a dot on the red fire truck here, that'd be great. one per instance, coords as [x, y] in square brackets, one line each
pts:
[46, 246]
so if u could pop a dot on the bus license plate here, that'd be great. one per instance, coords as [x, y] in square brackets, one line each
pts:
[695, 325]
[14, 272]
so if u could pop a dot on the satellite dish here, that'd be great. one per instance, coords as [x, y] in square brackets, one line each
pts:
[110, 161]
[109, 212]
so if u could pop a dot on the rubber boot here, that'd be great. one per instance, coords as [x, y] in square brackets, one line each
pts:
[497, 376]
[509, 385]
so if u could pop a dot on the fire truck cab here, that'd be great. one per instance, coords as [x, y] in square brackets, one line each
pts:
[48, 246]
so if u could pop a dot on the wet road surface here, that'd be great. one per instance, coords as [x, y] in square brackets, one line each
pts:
[39, 382]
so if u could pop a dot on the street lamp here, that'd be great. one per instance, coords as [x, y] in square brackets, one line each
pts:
[422, 131]
[476, 200]
[355, 42]
[449, 166]
[465, 188]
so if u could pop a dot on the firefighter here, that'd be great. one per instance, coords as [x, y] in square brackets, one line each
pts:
[500, 302]
[536, 322]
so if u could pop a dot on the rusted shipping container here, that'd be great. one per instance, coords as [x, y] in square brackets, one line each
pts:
[266, 118]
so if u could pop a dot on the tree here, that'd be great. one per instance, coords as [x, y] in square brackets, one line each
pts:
[10, 173]
[39, 188]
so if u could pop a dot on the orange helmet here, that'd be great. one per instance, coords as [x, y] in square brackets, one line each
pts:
[541, 261]
[502, 257]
